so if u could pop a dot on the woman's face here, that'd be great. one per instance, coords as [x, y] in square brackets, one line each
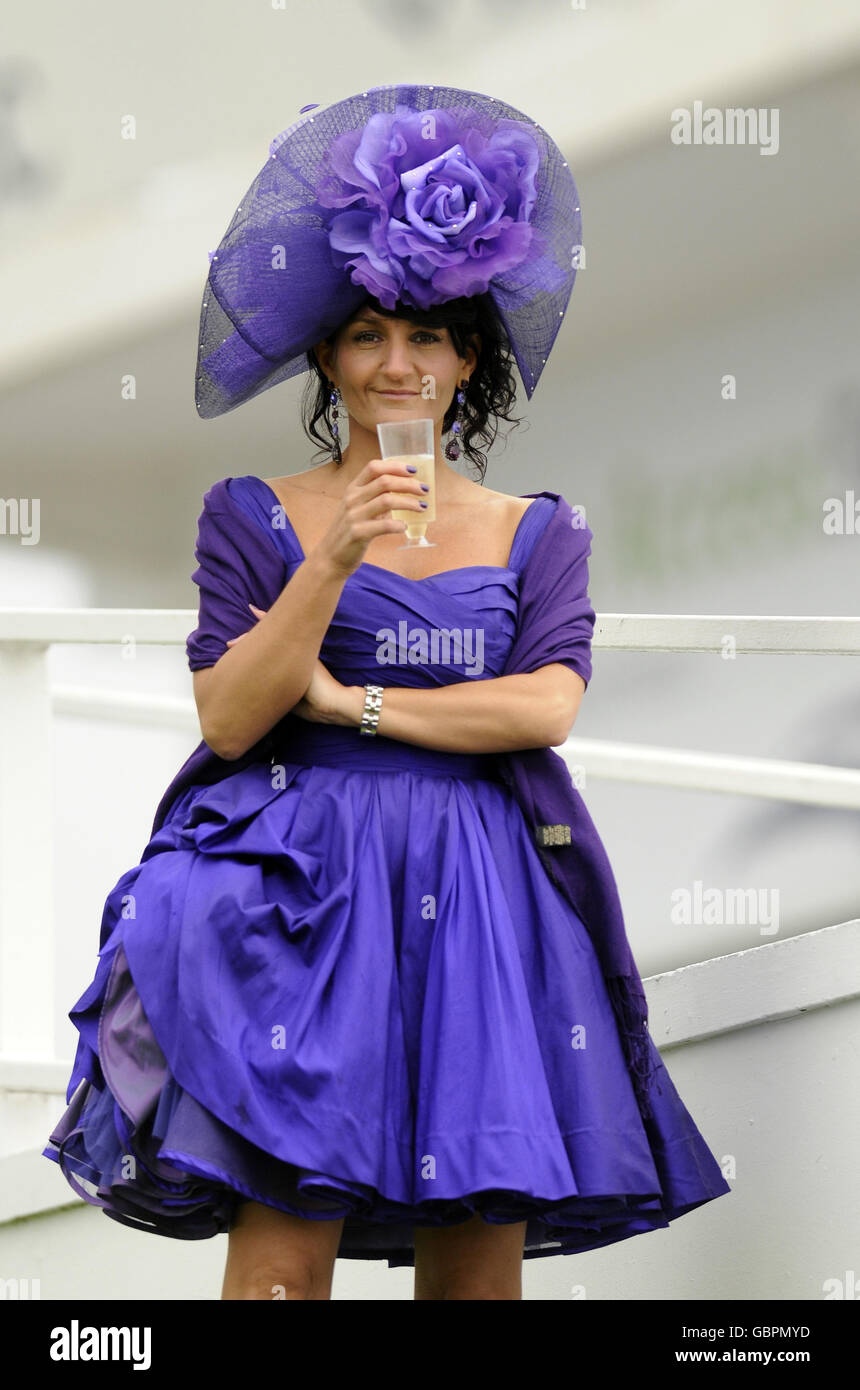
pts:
[374, 354]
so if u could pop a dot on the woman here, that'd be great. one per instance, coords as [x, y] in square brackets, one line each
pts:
[345, 1004]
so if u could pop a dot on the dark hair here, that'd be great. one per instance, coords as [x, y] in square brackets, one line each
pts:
[491, 391]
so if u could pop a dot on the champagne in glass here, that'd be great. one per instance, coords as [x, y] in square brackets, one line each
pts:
[411, 441]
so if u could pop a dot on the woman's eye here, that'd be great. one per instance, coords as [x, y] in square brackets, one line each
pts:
[422, 333]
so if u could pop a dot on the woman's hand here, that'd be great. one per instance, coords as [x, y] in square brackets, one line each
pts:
[322, 702]
[325, 701]
[365, 511]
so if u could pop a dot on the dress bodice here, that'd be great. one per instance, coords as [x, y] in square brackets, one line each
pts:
[459, 624]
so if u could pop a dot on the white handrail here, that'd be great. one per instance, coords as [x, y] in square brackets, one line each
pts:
[637, 632]
[813, 784]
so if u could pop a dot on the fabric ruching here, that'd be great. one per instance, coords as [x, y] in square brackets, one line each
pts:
[357, 994]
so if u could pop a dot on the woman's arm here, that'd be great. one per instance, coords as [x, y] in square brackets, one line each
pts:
[258, 680]
[500, 715]
[253, 684]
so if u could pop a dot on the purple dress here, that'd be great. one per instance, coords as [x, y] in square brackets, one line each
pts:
[344, 985]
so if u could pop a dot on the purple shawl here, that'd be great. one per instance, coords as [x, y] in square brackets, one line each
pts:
[239, 564]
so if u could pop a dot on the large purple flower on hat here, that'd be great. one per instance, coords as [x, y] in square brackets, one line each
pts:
[435, 209]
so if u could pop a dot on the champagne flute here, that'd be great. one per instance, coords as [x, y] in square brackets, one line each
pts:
[411, 441]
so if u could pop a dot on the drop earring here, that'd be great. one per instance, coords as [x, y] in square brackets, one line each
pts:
[334, 398]
[452, 448]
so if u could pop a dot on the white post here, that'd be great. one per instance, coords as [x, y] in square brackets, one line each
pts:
[26, 853]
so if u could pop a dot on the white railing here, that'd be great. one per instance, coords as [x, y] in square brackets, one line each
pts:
[28, 703]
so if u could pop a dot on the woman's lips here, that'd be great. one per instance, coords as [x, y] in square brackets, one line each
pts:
[402, 394]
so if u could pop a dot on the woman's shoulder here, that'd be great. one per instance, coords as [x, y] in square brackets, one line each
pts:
[518, 506]
[504, 502]
[309, 480]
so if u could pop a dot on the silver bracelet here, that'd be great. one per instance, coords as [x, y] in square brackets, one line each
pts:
[372, 707]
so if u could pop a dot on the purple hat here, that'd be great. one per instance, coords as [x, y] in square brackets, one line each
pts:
[412, 194]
